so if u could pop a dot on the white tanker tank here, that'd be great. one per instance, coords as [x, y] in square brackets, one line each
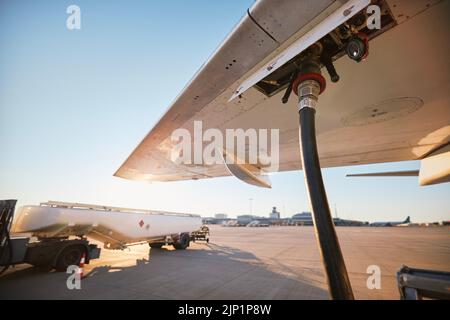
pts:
[115, 227]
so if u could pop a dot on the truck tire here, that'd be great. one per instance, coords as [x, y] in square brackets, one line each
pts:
[70, 255]
[183, 242]
[156, 245]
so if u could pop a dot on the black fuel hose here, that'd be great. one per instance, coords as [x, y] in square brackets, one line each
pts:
[338, 281]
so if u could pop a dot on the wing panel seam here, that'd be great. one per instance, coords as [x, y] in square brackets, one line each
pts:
[260, 27]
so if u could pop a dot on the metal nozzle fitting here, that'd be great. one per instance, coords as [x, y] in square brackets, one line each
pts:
[308, 94]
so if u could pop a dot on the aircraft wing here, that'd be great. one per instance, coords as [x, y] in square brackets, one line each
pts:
[409, 173]
[393, 106]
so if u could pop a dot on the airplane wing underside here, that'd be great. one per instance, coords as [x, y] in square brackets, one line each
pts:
[392, 107]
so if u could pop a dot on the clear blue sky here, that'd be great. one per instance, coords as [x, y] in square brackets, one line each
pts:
[74, 104]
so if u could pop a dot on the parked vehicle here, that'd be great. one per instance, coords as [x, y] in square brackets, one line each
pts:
[58, 231]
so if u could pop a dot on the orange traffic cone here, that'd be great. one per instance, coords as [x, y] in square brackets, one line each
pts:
[81, 266]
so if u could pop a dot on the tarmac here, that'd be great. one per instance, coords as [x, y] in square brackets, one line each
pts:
[242, 263]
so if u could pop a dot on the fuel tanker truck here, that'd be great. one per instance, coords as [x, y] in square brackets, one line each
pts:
[56, 234]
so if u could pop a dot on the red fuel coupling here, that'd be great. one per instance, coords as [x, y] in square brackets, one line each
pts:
[309, 76]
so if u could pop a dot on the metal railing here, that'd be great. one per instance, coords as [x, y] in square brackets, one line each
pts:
[74, 205]
[6, 216]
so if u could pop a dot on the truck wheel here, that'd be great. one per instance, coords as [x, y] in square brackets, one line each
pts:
[70, 255]
[156, 245]
[182, 243]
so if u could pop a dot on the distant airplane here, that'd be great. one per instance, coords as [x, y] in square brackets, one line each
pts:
[390, 223]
